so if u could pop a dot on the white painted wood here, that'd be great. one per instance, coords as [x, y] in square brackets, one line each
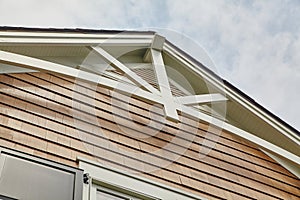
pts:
[8, 69]
[2, 162]
[78, 39]
[292, 167]
[231, 93]
[86, 192]
[106, 74]
[201, 99]
[93, 191]
[133, 182]
[158, 42]
[164, 85]
[77, 35]
[37, 64]
[75, 42]
[130, 74]
[41, 65]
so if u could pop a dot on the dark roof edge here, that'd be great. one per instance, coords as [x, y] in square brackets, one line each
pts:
[251, 100]
[71, 30]
[229, 85]
[91, 31]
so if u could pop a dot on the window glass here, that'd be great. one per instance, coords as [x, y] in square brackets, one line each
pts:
[101, 195]
[113, 193]
[26, 179]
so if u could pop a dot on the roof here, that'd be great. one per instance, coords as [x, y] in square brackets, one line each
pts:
[69, 30]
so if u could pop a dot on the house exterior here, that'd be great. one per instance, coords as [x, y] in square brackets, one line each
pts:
[95, 114]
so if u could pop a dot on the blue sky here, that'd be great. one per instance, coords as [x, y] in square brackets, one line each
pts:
[255, 45]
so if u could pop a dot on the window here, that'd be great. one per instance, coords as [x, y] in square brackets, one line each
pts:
[106, 191]
[30, 178]
[106, 183]
[103, 193]
[110, 196]
[5, 198]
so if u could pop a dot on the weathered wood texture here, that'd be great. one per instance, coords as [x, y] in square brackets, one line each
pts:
[50, 116]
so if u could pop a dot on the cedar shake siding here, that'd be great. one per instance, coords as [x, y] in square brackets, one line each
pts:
[38, 117]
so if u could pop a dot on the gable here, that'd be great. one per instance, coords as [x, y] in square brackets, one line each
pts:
[76, 51]
[138, 103]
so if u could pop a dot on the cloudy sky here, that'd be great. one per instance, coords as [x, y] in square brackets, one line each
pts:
[255, 45]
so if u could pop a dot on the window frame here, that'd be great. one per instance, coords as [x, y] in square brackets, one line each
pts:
[3, 197]
[130, 184]
[78, 173]
[115, 192]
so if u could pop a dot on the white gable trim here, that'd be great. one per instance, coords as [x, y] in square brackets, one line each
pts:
[130, 74]
[77, 39]
[294, 169]
[142, 40]
[34, 63]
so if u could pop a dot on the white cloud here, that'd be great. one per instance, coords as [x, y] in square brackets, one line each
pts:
[32, 13]
[255, 44]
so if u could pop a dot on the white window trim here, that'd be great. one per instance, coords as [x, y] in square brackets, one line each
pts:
[130, 182]
[111, 191]
[78, 174]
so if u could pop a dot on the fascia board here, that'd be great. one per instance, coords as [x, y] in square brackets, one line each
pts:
[76, 42]
[125, 35]
[218, 83]
[75, 39]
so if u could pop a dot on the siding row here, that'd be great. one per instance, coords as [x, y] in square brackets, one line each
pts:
[106, 107]
[106, 118]
[226, 148]
[32, 108]
[36, 112]
[135, 164]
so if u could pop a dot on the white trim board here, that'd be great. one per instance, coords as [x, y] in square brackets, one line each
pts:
[78, 39]
[231, 93]
[10, 69]
[292, 167]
